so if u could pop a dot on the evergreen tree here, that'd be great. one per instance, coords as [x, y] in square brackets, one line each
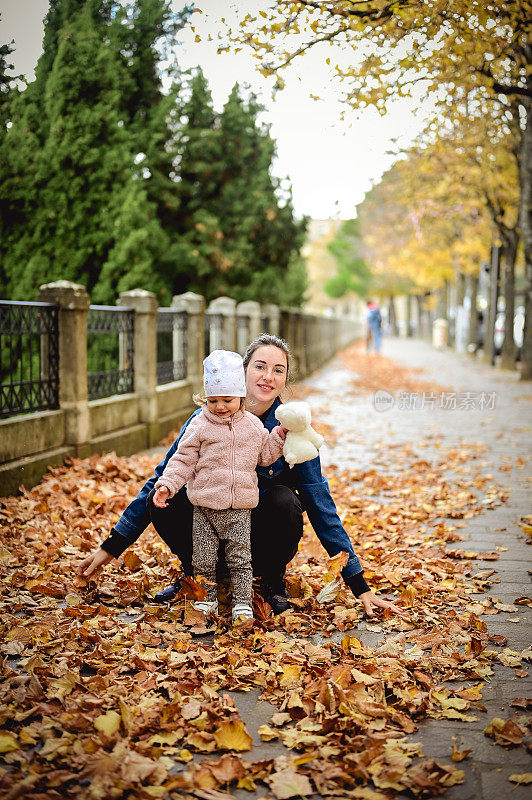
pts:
[353, 274]
[7, 81]
[86, 189]
[138, 34]
[198, 254]
[261, 236]
[108, 181]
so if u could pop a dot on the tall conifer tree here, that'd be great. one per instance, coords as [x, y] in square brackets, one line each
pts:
[199, 248]
[89, 204]
[262, 238]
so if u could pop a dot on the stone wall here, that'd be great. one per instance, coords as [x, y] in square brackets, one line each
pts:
[128, 423]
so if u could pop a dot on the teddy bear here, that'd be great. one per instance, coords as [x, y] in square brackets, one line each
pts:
[302, 442]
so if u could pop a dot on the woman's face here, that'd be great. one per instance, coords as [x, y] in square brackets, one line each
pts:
[266, 374]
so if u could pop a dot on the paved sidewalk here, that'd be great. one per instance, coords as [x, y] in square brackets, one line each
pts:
[365, 438]
[364, 433]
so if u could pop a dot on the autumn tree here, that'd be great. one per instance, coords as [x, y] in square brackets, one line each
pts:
[460, 53]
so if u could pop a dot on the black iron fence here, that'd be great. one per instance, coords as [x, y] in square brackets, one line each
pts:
[213, 332]
[171, 345]
[110, 351]
[29, 357]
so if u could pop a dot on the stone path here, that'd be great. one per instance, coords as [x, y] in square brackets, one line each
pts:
[506, 431]
[363, 434]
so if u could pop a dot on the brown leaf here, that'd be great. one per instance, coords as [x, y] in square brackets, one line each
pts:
[289, 783]
[459, 755]
[227, 769]
[191, 589]
[505, 732]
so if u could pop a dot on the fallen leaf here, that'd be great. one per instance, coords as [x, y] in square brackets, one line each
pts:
[459, 755]
[232, 735]
[289, 783]
[523, 778]
[108, 723]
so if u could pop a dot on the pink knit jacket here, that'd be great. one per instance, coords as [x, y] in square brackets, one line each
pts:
[216, 458]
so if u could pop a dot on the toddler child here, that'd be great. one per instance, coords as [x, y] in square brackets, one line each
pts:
[216, 458]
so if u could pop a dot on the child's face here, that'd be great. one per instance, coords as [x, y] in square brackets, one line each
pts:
[223, 407]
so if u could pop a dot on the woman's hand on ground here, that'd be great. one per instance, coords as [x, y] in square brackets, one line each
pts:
[93, 562]
[370, 599]
[161, 496]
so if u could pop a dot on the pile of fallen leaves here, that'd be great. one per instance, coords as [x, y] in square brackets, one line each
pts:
[373, 371]
[108, 695]
[95, 705]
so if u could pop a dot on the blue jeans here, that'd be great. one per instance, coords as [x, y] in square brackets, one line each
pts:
[377, 337]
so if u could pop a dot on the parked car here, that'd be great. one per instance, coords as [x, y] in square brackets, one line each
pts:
[519, 324]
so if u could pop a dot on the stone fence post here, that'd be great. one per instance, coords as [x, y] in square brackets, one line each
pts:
[246, 333]
[145, 363]
[225, 306]
[194, 305]
[271, 316]
[73, 302]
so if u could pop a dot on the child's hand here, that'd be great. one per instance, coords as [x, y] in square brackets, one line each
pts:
[161, 496]
[282, 432]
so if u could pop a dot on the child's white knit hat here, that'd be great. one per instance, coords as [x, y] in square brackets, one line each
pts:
[223, 374]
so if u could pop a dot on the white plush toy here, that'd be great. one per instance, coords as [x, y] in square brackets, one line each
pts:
[302, 442]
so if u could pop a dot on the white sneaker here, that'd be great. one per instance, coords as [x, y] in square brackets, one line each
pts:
[241, 611]
[208, 607]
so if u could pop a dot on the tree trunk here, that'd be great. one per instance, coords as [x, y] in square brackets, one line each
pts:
[509, 253]
[450, 311]
[392, 318]
[409, 326]
[526, 229]
[491, 311]
[441, 304]
[420, 316]
[473, 338]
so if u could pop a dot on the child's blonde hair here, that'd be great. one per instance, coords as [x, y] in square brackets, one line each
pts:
[201, 400]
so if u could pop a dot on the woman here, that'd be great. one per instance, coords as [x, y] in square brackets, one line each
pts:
[284, 494]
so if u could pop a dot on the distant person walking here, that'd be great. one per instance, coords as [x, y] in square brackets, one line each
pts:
[373, 326]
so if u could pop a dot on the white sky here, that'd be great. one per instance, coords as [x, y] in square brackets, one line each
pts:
[330, 163]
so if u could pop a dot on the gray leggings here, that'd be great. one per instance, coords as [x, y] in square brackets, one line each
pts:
[233, 527]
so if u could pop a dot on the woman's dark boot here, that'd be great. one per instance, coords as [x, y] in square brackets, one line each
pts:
[275, 594]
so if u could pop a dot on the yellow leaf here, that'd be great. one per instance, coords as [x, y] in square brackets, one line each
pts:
[126, 715]
[63, 686]
[155, 791]
[73, 599]
[108, 723]
[232, 735]
[7, 742]
[247, 783]
[521, 777]
[267, 734]
[337, 563]
[290, 677]
[361, 677]
[184, 755]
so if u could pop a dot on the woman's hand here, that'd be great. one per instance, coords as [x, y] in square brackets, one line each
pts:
[282, 432]
[94, 562]
[161, 496]
[370, 599]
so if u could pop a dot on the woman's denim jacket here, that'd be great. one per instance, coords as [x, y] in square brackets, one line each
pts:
[306, 479]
